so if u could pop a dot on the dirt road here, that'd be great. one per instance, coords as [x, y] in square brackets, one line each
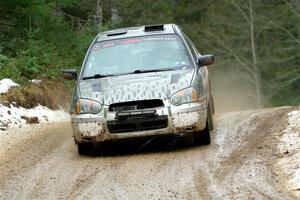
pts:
[237, 165]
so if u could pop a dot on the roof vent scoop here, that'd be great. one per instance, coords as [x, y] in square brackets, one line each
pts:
[117, 33]
[150, 28]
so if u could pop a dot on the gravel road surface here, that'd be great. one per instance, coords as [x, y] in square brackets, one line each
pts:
[239, 164]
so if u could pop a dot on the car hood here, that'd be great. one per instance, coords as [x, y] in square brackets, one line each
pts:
[134, 87]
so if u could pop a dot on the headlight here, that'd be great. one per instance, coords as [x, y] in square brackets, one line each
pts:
[84, 106]
[187, 95]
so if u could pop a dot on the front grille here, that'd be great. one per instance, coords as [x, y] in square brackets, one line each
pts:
[136, 105]
[140, 123]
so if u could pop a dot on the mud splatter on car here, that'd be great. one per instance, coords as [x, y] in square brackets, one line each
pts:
[141, 81]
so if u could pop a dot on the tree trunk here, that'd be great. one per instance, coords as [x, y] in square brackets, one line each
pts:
[297, 7]
[106, 11]
[98, 12]
[257, 76]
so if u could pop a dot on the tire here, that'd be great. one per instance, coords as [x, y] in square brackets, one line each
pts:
[210, 113]
[212, 104]
[203, 137]
[85, 148]
[211, 99]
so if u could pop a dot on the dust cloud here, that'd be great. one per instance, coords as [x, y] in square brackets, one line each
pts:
[232, 91]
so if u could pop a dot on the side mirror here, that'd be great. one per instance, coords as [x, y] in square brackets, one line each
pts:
[206, 60]
[70, 74]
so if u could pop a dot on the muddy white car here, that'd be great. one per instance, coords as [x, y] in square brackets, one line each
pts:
[138, 82]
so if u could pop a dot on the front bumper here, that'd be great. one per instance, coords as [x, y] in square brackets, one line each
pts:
[181, 119]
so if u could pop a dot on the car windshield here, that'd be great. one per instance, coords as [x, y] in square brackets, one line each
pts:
[140, 54]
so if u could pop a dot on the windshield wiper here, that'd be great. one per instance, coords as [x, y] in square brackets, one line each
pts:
[139, 71]
[151, 70]
[96, 76]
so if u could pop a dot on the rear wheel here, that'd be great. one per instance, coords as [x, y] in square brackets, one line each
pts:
[203, 137]
[85, 148]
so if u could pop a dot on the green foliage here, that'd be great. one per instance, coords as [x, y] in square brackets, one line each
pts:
[8, 68]
[39, 38]
[41, 43]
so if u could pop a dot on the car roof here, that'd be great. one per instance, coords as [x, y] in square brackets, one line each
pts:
[137, 31]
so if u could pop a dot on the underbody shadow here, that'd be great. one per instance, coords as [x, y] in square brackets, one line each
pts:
[142, 145]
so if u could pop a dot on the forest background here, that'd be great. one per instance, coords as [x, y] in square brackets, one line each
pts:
[256, 42]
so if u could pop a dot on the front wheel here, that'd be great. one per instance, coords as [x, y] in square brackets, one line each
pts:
[203, 137]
